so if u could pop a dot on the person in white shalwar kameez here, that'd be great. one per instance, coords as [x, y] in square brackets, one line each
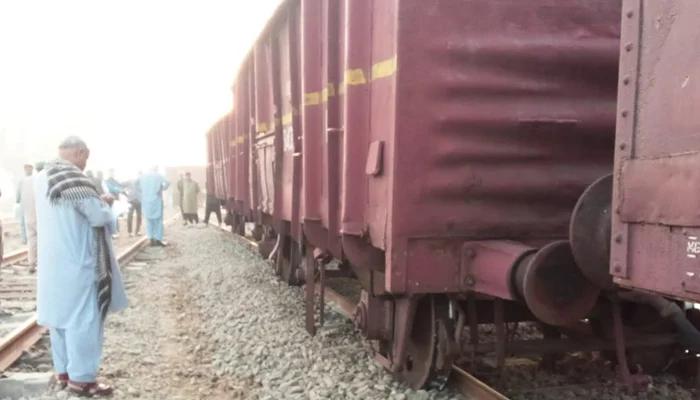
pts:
[67, 289]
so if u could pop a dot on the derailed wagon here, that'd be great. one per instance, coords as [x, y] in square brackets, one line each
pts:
[454, 157]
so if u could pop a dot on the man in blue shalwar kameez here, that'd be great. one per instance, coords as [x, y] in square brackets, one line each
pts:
[152, 186]
[78, 277]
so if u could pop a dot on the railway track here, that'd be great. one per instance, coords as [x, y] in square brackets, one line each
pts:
[16, 342]
[15, 257]
[461, 381]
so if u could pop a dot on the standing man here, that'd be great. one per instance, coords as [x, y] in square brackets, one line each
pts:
[133, 194]
[29, 209]
[213, 205]
[177, 198]
[152, 186]
[21, 188]
[114, 189]
[190, 193]
[78, 280]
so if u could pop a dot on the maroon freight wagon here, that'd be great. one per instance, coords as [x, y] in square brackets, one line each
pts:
[656, 219]
[455, 155]
[472, 128]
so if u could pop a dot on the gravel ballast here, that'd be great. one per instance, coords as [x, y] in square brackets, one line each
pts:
[209, 320]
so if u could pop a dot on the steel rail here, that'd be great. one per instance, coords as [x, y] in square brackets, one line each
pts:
[16, 342]
[471, 387]
[460, 380]
[25, 336]
[14, 257]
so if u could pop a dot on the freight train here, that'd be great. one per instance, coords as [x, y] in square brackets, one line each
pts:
[476, 162]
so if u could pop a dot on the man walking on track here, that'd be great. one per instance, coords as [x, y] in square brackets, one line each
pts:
[78, 279]
[152, 186]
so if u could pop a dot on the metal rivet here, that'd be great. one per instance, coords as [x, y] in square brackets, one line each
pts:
[618, 239]
[626, 80]
[624, 113]
[469, 280]
[623, 146]
[630, 14]
[629, 46]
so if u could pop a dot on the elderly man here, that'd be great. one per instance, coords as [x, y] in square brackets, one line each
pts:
[78, 280]
[152, 186]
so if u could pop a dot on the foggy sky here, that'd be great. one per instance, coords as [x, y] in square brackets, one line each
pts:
[141, 81]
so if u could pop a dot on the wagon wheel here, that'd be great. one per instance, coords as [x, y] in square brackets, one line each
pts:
[267, 241]
[238, 227]
[638, 319]
[428, 357]
[258, 232]
[288, 261]
[687, 364]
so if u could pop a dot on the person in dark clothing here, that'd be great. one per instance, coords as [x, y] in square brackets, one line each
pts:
[213, 206]
[133, 194]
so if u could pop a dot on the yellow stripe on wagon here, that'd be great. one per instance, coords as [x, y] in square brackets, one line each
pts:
[261, 128]
[355, 77]
[328, 91]
[384, 68]
[287, 119]
[312, 99]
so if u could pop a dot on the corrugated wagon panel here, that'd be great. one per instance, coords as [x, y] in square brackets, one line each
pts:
[504, 114]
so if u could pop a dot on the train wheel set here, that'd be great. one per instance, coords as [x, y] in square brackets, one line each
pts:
[478, 163]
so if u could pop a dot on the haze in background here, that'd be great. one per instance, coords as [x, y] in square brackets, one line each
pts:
[140, 80]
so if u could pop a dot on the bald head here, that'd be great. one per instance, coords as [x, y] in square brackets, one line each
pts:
[74, 150]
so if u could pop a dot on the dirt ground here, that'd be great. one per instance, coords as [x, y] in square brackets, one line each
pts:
[209, 320]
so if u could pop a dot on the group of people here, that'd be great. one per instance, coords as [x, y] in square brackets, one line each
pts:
[186, 197]
[131, 190]
[70, 217]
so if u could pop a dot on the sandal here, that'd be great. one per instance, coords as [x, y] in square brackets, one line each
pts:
[90, 389]
[59, 381]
